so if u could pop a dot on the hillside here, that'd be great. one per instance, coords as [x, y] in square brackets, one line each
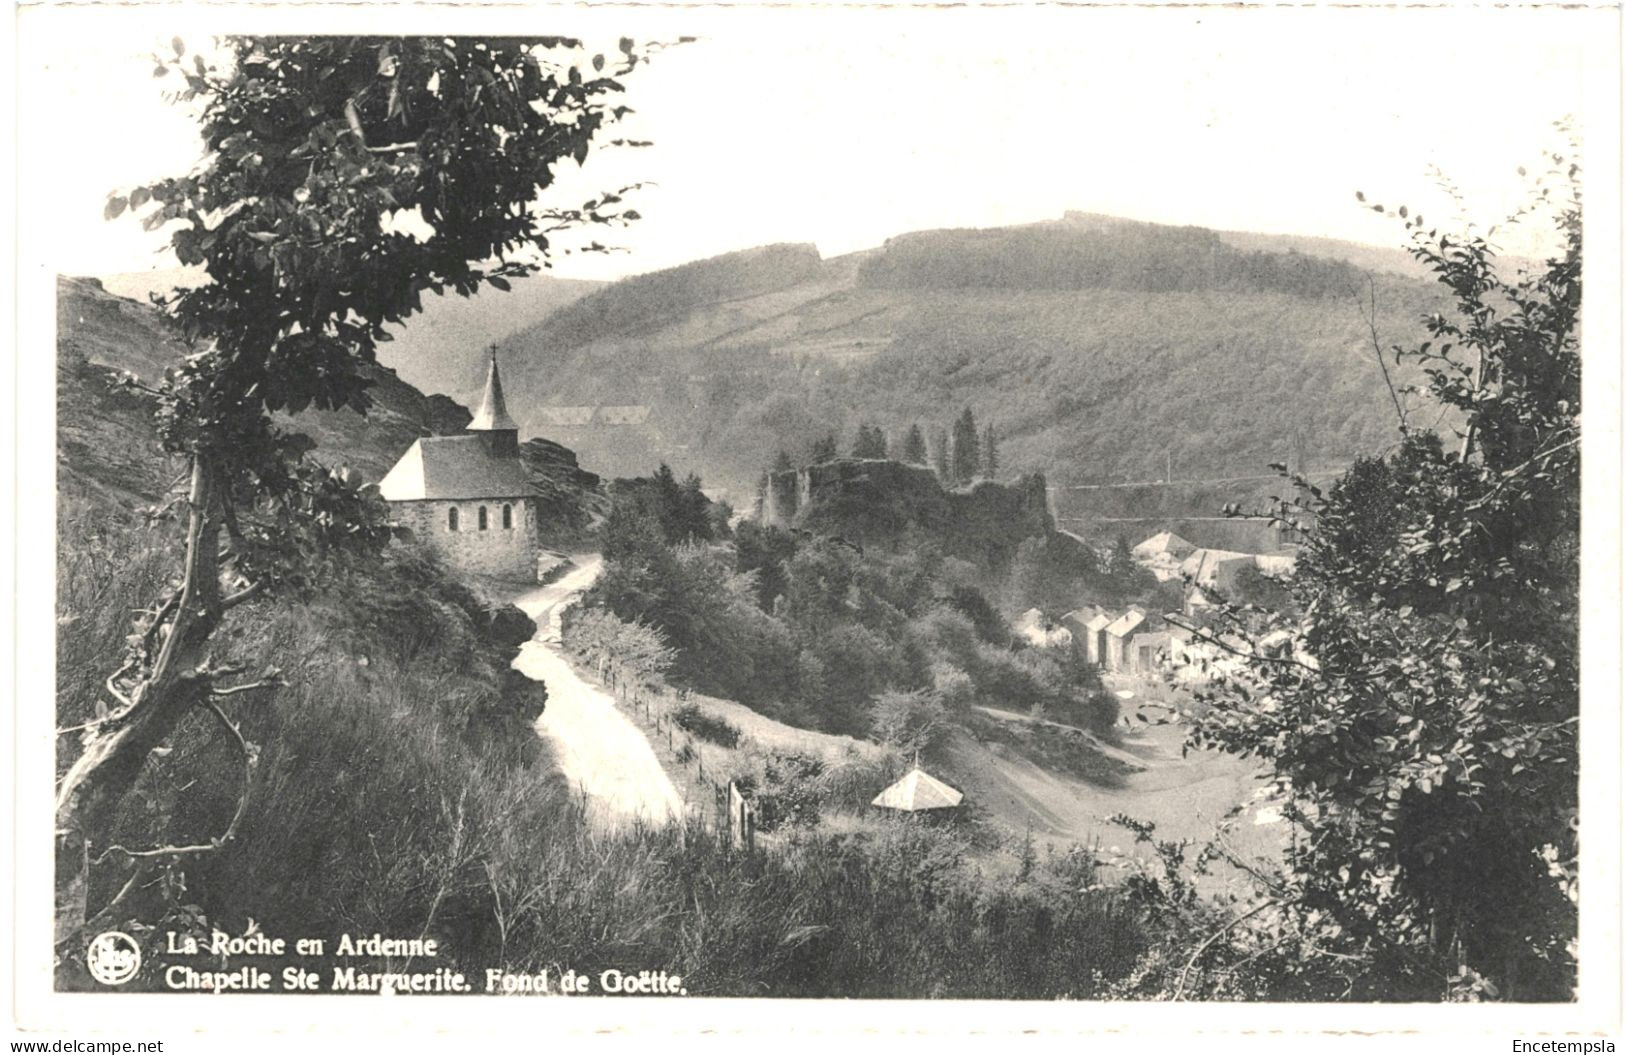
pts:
[441, 351]
[1098, 348]
[98, 332]
[108, 449]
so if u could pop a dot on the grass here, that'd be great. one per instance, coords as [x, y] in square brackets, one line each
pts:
[400, 790]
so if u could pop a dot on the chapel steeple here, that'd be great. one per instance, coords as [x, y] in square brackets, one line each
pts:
[492, 416]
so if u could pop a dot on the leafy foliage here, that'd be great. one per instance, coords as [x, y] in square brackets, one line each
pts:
[317, 151]
[1424, 734]
[819, 633]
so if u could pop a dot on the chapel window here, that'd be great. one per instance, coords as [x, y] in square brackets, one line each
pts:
[484, 522]
[451, 519]
[507, 518]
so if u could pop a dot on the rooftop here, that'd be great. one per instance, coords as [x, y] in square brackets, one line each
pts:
[455, 467]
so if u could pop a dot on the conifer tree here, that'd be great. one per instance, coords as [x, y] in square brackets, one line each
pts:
[966, 458]
[914, 446]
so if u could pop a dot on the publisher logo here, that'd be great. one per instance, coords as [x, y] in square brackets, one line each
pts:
[113, 958]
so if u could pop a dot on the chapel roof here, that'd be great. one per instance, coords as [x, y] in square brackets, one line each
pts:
[454, 468]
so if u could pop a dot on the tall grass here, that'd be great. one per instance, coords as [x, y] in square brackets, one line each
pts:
[401, 790]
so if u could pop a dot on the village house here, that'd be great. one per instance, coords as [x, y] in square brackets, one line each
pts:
[469, 497]
[1117, 636]
[1147, 651]
[1212, 571]
[1077, 623]
[1161, 554]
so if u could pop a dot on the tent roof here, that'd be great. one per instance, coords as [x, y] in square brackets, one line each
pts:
[918, 790]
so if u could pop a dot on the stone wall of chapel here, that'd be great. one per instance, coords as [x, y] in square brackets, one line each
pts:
[509, 553]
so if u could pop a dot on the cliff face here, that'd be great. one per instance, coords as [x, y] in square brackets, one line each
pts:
[884, 503]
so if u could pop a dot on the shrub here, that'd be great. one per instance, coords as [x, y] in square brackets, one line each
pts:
[706, 726]
[910, 721]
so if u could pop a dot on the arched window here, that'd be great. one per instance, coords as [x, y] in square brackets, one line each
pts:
[451, 519]
[484, 519]
[507, 518]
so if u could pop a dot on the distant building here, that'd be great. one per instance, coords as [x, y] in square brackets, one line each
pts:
[632, 414]
[565, 417]
[1162, 553]
[1095, 637]
[1077, 621]
[1213, 571]
[1279, 564]
[1117, 637]
[469, 497]
[1146, 651]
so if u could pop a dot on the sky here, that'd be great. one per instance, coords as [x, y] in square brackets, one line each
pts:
[843, 127]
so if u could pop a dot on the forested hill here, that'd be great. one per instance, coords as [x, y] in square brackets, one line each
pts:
[1099, 349]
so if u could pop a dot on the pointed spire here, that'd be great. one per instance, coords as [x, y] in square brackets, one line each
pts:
[493, 413]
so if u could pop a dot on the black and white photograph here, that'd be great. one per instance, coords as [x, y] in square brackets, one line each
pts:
[1078, 509]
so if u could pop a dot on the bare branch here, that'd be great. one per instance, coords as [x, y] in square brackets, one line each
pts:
[1376, 348]
[248, 593]
[268, 683]
[250, 760]
[1179, 989]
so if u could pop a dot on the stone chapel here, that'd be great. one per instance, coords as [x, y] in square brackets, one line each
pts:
[469, 497]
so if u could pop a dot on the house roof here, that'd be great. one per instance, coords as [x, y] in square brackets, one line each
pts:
[493, 413]
[1126, 624]
[1100, 622]
[918, 790]
[1082, 616]
[1164, 542]
[1202, 567]
[455, 467]
[1032, 617]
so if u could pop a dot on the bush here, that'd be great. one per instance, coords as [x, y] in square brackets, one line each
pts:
[910, 721]
[689, 717]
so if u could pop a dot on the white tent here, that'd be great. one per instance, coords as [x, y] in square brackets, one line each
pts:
[918, 790]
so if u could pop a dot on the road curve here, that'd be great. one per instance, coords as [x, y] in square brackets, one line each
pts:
[600, 751]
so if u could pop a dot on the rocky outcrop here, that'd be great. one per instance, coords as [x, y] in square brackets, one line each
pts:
[885, 503]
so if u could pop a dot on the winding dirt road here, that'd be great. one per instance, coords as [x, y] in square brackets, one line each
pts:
[599, 750]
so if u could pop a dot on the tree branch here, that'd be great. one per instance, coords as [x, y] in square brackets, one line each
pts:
[268, 683]
[1179, 988]
[248, 593]
[250, 759]
[1376, 348]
